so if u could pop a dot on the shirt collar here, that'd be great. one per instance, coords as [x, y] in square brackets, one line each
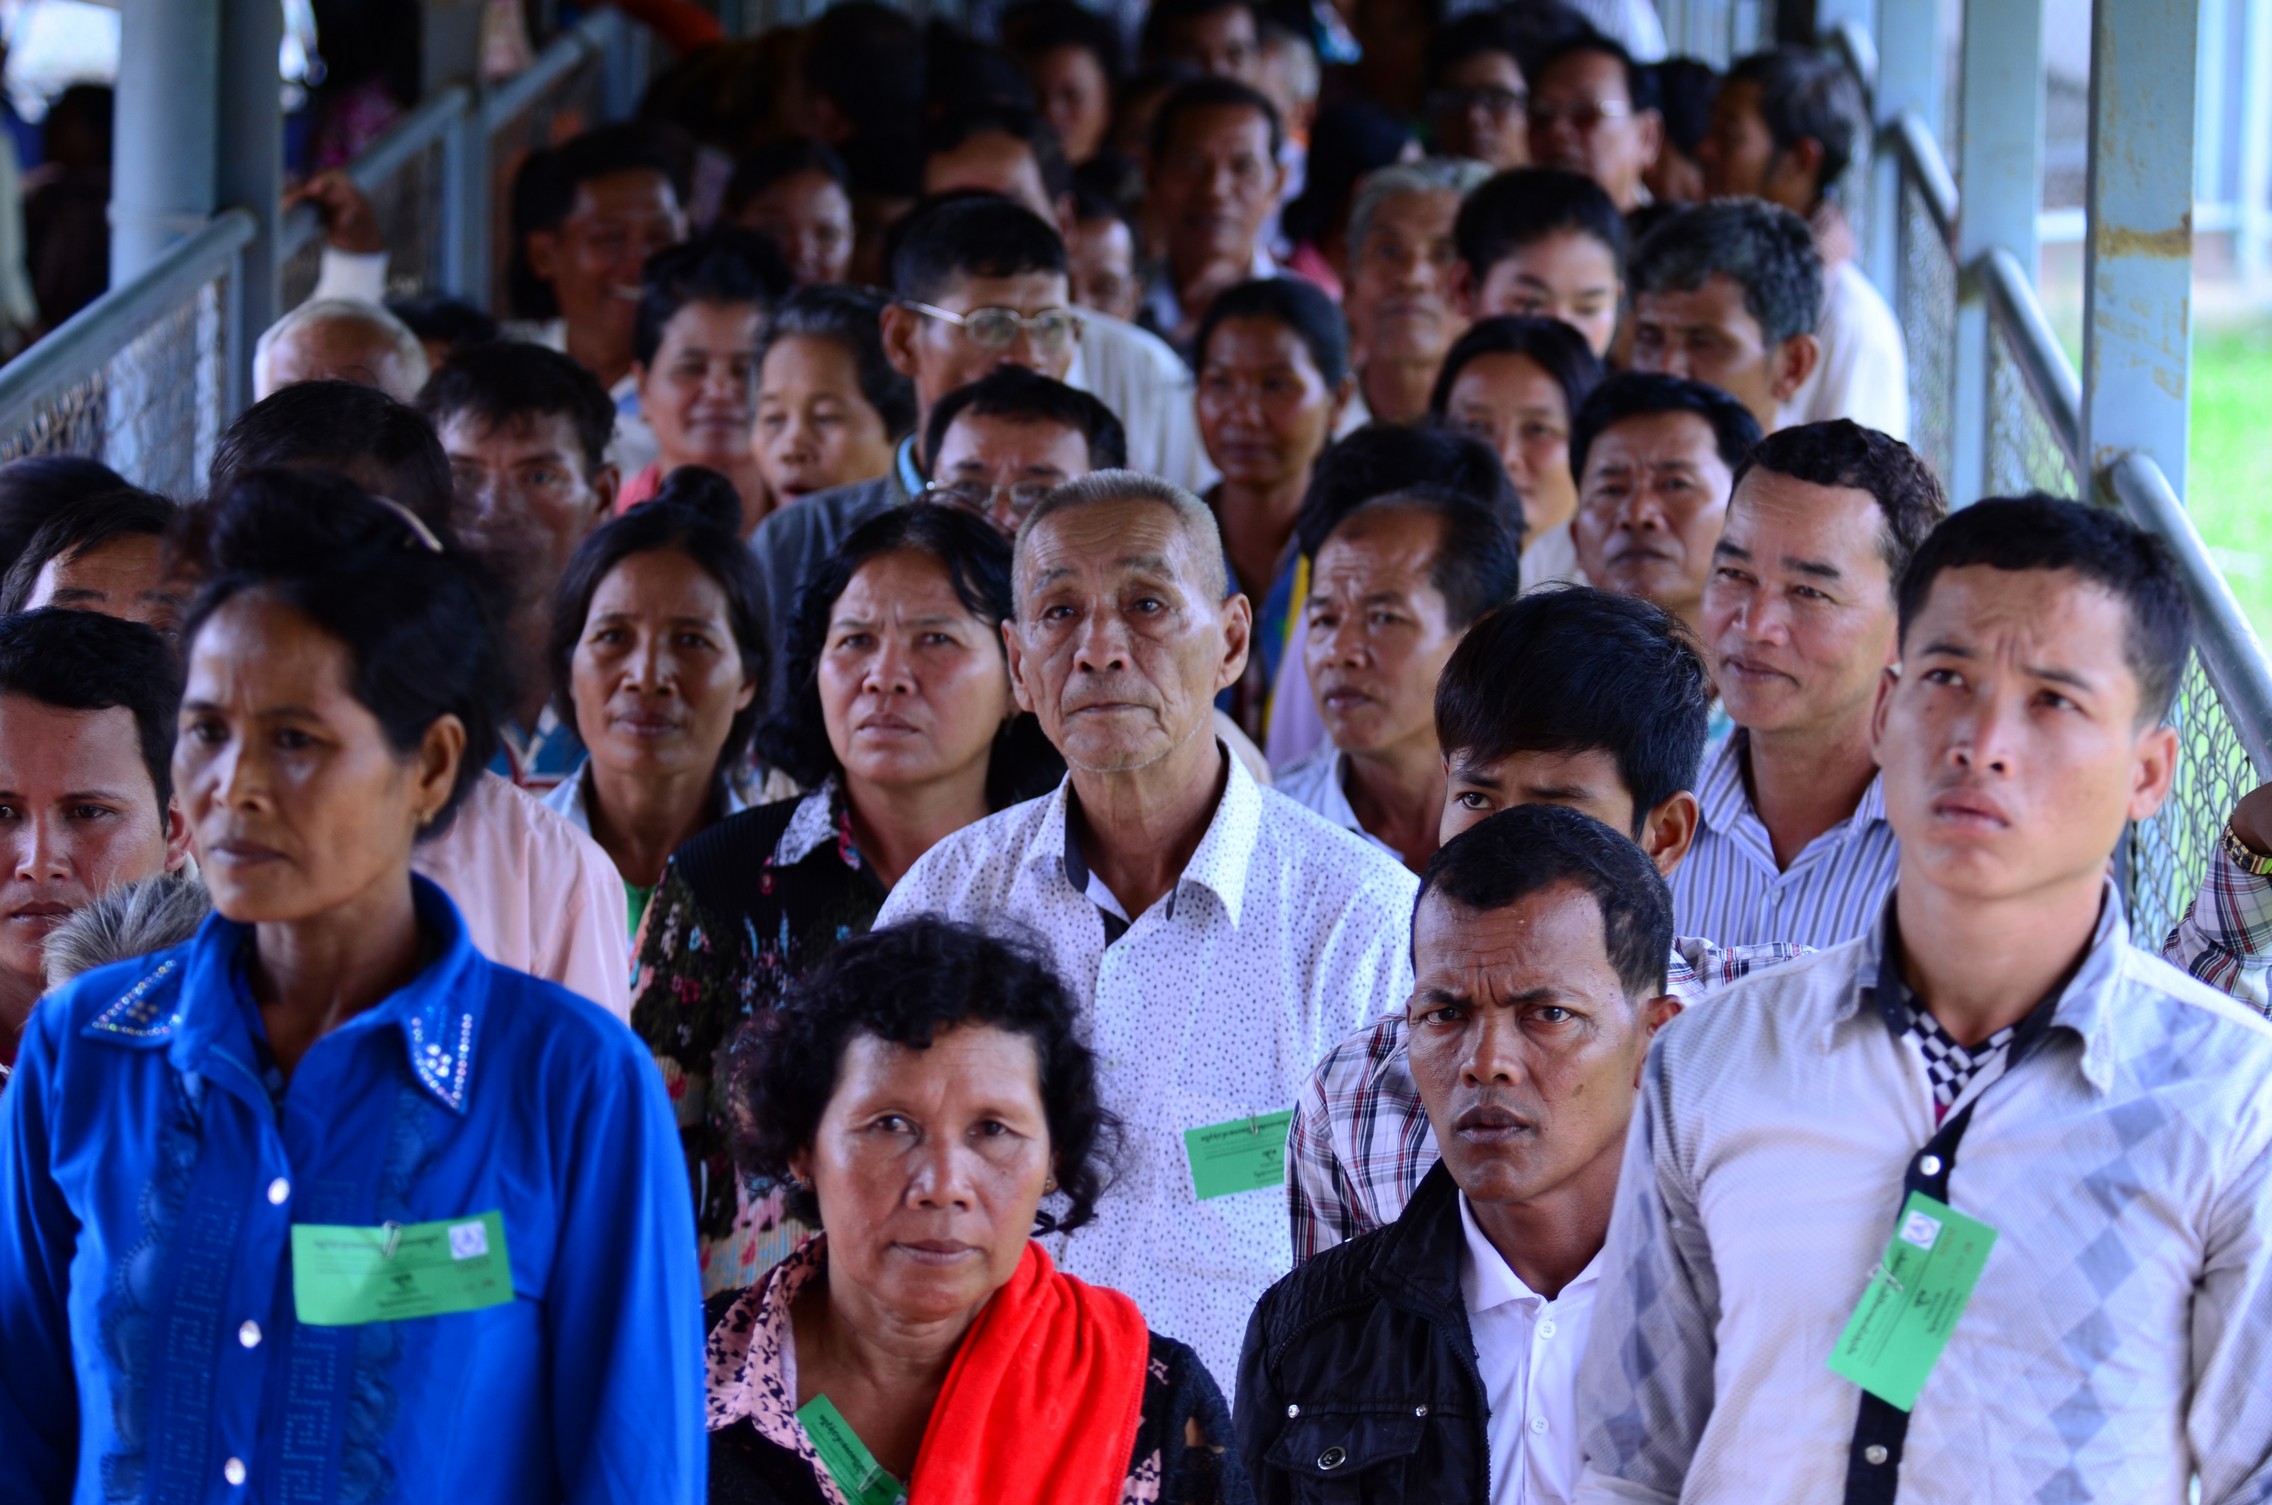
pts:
[2085, 1006]
[438, 1012]
[905, 467]
[1724, 804]
[1486, 1280]
[1220, 862]
[818, 818]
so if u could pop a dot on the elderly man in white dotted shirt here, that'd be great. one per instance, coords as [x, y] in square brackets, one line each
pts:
[1222, 936]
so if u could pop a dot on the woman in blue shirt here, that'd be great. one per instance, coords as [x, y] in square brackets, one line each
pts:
[322, 1205]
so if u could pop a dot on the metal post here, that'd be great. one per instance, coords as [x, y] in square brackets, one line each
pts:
[166, 128]
[2138, 248]
[251, 170]
[2255, 187]
[1999, 171]
[1908, 79]
[466, 207]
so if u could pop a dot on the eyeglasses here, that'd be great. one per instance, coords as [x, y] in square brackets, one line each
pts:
[1584, 114]
[999, 328]
[978, 496]
[1498, 103]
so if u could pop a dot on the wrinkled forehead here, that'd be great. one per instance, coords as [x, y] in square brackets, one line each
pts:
[1103, 541]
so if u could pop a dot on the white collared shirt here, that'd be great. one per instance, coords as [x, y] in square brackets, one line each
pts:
[1281, 935]
[1320, 782]
[1527, 1349]
[1149, 389]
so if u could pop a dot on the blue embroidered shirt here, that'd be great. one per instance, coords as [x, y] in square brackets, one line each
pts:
[148, 1182]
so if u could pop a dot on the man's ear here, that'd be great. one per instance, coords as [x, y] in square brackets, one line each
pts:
[1887, 683]
[1015, 653]
[1669, 830]
[1649, 126]
[1655, 1015]
[899, 327]
[1238, 636]
[1464, 290]
[177, 836]
[1068, 217]
[543, 250]
[1795, 361]
[2156, 770]
[606, 482]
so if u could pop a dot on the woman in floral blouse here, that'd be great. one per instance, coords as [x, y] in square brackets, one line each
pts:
[900, 721]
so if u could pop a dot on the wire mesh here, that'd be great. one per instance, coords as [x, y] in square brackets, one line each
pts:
[152, 409]
[2024, 453]
[2166, 857]
[1927, 309]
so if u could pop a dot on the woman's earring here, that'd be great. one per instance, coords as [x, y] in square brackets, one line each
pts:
[1049, 1186]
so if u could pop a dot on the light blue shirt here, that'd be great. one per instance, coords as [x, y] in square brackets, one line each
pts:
[153, 1170]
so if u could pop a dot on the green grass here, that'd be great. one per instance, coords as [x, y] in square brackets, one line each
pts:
[2227, 488]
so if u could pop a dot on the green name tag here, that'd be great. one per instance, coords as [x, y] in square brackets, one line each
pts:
[1917, 1292]
[1246, 1154]
[343, 1275]
[847, 1459]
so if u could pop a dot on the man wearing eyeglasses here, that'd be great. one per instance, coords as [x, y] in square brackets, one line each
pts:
[1587, 115]
[1477, 97]
[1008, 439]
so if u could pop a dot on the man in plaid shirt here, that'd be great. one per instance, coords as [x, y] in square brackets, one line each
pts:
[1599, 702]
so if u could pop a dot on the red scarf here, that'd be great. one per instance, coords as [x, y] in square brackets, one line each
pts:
[1041, 1405]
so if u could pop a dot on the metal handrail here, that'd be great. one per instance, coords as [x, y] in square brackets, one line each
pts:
[99, 331]
[2231, 654]
[1922, 160]
[587, 39]
[2052, 382]
[424, 128]
[1854, 43]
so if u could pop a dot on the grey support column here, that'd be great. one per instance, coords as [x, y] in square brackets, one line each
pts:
[167, 127]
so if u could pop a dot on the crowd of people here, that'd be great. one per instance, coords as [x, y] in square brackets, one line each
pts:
[1255, 773]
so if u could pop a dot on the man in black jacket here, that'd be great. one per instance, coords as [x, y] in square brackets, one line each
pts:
[1436, 1358]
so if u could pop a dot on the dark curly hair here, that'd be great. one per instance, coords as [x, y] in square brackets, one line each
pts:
[904, 985]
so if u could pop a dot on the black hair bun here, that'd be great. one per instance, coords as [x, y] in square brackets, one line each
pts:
[704, 492]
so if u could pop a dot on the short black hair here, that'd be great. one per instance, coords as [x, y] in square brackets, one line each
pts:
[770, 163]
[1297, 303]
[1524, 205]
[1571, 669]
[1030, 397]
[953, 236]
[977, 561]
[36, 487]
[86, 524]
[1763, 248]
[1475, 34]
[688, 515]
[849, 317]
[1840, 452]
[1807, 95]
[1478, 563]
[1553, 346]
[545, 186]
[1211, 93]
[88, 661]
[1018, 123]
[1684, 88]
[1035, 28]
[418, 615]
[1350, 139]
[1384, 457]
[1630, 394]
[506, 381]
[905, 984]
[724, 264]
[1527, 850]
[1152, 38]
[438, 316]
[1637, 80]
[870, 62]
[2039, 532]
[343, 426]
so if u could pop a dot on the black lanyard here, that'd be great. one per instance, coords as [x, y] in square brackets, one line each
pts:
[1873, 1458]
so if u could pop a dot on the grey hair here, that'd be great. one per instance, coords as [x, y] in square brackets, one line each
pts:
[1456, 175]
[409, 354]
[133, 919]
[1193, 517]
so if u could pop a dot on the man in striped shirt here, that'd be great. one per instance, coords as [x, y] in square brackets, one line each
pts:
[1798, 625]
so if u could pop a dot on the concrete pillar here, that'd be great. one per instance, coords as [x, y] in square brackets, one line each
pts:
[167, 127]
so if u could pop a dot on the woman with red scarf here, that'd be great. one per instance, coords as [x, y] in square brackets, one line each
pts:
[924, 1093]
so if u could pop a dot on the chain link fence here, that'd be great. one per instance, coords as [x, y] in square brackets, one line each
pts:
[1926, 306]
[2024, 452]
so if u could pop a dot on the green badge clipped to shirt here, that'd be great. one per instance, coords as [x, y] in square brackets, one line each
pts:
[1246, 1154]
[344, 1275]
[1915, 1296]
[847, 1459]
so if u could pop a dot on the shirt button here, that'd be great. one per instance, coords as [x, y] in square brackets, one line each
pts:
[278, 1190]
[1874, 1453]
[1930, 1165]
[1538, 1425]
[234, 1471]
[1419, 1410]
[1546, 1329]
[1293, 1411]
[249, 1334]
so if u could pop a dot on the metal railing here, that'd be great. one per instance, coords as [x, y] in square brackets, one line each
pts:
[2032, 431]
[145, 377]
